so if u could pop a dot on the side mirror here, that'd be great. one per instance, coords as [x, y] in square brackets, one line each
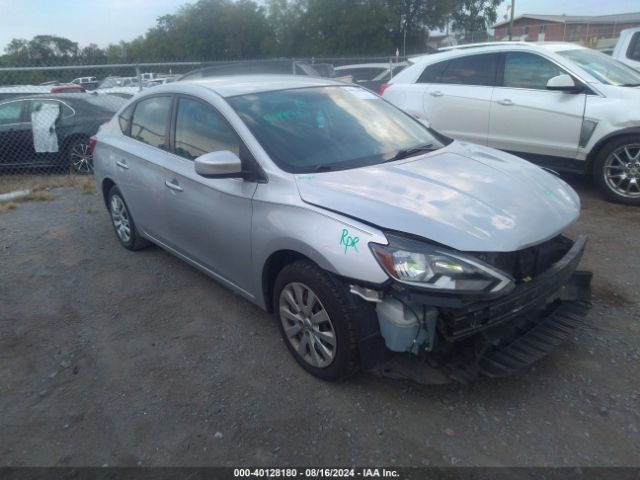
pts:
[223, 164]
[562, 83]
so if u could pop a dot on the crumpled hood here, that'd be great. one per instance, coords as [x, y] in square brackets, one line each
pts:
[465, 196]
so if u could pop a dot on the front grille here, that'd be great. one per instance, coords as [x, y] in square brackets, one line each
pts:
[525, 265]
[525, 298]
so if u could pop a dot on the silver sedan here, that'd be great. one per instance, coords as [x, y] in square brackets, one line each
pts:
[373, 239]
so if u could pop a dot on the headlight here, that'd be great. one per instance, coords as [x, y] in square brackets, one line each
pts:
[429, 266]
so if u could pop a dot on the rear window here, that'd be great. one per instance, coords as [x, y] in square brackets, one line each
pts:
[362, 73]
[633, 52]
[471, 70]
[149, 122]
[110, 103]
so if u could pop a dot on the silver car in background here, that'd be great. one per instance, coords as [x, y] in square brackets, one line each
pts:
[373, 239]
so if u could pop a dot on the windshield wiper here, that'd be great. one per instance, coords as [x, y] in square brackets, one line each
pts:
[410, 152]
[323, 168]
[631, 84]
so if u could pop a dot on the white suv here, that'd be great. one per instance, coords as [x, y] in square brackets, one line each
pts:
[557, 104]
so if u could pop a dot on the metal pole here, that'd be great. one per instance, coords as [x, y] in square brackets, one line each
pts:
[586, 40]
[513, 6]
[139, 79]
[404, 42]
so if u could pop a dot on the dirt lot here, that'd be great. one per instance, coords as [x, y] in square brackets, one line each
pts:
[110, 357]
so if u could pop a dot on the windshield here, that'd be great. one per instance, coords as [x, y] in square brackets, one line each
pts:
[330, 128]
[603, 67]
[110, 82]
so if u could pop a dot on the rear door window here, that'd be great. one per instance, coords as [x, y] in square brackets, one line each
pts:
[149, 122]
[432, 73]
[471, 70]
[65, 110]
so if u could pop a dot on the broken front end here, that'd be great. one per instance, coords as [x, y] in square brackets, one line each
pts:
[470, 314]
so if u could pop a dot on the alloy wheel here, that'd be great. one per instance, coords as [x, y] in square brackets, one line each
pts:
[622, 171]
[81, 159]
[307, 325]
[120, 218]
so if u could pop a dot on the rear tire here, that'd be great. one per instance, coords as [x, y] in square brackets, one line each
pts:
[616, 170]
[78, 155]
[123, 223]
[315, 321]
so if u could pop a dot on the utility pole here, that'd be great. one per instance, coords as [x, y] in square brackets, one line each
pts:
[403, 23]
[513, 6]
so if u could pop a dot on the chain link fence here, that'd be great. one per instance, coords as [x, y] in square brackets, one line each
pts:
[49, 114]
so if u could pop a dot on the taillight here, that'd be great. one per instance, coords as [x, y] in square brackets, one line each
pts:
[383, 87]
[67, 88]
[93, 141]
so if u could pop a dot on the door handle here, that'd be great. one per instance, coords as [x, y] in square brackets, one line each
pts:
[122, 164]
[507, 102]
[173, 186]
[437, 93]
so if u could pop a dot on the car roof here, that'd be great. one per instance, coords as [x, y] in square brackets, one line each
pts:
[364, 65]
[26, 88]
[52, 96]
[232, 85]
[461, 50]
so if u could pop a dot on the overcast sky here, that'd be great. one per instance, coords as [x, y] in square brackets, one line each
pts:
[109, 21]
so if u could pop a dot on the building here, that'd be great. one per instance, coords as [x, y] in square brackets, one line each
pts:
[591, 31]
[439, 40]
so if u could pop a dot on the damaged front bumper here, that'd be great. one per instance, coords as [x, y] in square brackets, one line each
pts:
[469, 338]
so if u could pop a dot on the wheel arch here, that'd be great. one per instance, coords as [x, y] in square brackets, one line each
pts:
[272, 268]
[69, 139]
[597, 148]
[107, 184]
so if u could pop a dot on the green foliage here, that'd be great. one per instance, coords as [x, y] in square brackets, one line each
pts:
[248, 29]
[474, 16]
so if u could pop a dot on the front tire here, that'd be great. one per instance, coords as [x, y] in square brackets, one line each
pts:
[617, 170]
[315, 321]
[122, 221]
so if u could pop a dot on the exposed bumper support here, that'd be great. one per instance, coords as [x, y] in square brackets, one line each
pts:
[497, 338]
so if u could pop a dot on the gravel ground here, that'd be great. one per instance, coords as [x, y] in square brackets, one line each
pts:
[110, 357]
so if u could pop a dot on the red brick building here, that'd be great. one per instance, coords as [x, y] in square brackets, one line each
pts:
[587, 30]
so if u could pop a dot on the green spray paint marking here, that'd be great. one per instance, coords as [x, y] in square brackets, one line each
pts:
[348, 241]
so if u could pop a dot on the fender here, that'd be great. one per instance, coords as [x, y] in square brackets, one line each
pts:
[603, 141]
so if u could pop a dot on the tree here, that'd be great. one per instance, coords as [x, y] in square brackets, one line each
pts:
[474, 17]
[208, 29]
[42, 50]
[286, 24]
[93, 55]
[245, 29]
[417, 17]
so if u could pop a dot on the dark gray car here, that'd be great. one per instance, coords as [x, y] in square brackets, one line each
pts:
[72, 120]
